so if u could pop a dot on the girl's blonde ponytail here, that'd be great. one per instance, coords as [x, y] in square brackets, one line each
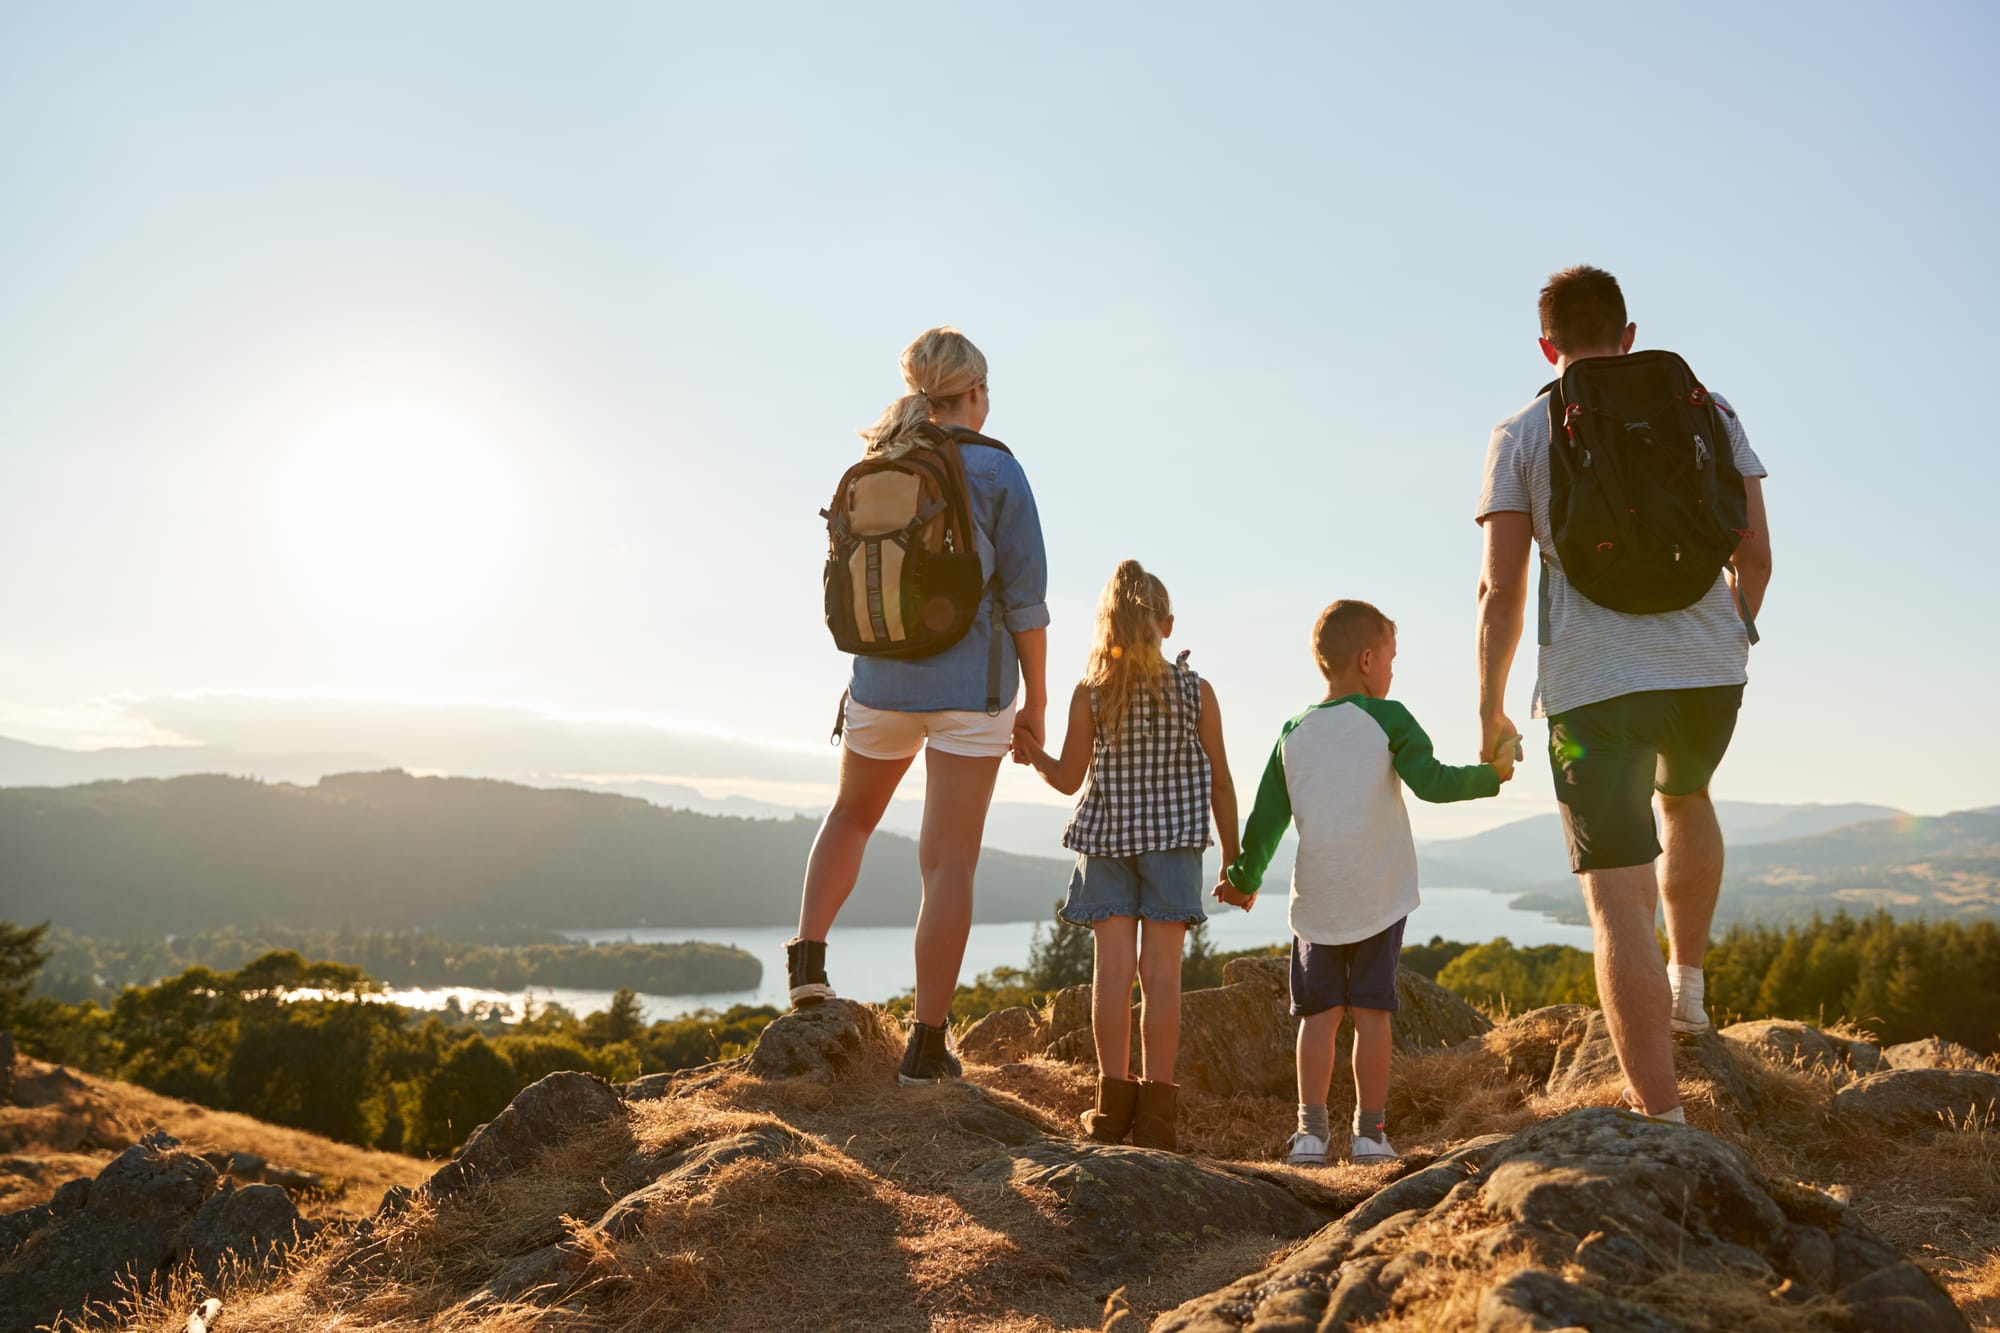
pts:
[1125, 654]
[940, 367]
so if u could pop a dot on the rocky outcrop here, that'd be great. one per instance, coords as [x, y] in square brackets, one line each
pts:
[1785, 1044]
[823, 1041]
[154, 1206]
[1905, 1101]
[1566, 1051]
[1596, 1219]
[1930, 1053]
[538, 1117]
[1002, 1036]
[1129, 1209]
[1240, 1036]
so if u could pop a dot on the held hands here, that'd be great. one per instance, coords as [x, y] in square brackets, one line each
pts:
[1225, 892]
[1500, 743]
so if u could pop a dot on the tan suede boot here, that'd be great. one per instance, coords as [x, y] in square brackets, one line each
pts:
[1153, 1122]
[1112, 1120]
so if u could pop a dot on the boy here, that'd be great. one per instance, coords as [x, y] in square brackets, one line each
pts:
[1336, 770]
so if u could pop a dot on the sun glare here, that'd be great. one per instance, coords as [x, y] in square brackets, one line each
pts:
[397, 512]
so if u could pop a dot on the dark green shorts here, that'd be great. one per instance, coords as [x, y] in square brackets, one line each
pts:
[1610, 757]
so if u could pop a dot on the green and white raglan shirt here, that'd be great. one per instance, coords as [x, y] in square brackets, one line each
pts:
[1338, 771]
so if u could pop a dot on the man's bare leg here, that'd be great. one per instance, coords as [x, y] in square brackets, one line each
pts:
[1690, 883]
[1632, 981]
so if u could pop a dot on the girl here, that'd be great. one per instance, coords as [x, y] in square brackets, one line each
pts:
[937, 704]
[1145, 743]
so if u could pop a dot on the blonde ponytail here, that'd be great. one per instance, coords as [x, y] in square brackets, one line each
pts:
[1125, 655]
[939, 368]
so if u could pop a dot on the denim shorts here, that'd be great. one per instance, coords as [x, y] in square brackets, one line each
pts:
[1155, 886]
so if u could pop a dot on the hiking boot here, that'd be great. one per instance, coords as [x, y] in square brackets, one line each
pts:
[1305, 1149]
[1364, 1151]
[1117, 1099]
[1153, 1118]
[805, 968]
[927, 1058]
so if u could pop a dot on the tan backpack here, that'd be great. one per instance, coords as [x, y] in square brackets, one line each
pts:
[902, 569]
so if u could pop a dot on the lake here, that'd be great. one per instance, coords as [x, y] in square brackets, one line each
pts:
[876, 962]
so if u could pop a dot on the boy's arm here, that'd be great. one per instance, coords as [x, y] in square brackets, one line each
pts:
[1270, 816]
[1064, 774]
[1417, 766]
[1222, 788]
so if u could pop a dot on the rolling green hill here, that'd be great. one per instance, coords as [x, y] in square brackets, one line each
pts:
[389, 850]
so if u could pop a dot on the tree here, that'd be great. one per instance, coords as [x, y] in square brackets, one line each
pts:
[1201, 968]
[474, 1084]
[1065, 958]
[21, 958]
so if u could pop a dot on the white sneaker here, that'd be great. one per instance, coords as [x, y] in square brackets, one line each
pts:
[1305, 1150]
[1691, 1025]
[1364, 1151]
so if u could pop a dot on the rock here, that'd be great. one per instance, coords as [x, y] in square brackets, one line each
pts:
[1130, 1209]
[1603, 1207]
[1901, 1101]
[1526, 1044]
[1789, 1045]
[1240, 1036]
[987, 1118]
[540, 1116]
[153, 1205]
[292, 1180]
[823, 1041]
[1068, 1011]
[1930, 1053]
[545, 1274]
[1585, 1060]
[1003, 1036]
[251, 1223]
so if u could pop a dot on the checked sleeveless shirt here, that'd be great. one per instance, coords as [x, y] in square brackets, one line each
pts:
[1148, 786]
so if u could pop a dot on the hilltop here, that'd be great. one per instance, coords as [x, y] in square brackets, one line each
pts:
[797, 1188]
[393, 851]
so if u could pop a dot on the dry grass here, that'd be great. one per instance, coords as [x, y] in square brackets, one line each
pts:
[874, 1223]
[66, 1125]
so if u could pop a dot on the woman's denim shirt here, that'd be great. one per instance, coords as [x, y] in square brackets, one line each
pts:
[1010, 547]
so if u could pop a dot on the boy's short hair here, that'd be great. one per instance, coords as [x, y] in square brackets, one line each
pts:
[1582, 309]
[1343, 630]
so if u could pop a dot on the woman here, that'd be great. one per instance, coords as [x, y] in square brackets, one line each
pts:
[937, 704]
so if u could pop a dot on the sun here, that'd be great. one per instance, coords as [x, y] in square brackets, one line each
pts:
[397, 512]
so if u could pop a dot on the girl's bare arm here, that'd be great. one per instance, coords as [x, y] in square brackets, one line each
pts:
[1065, 774]
[1222, 797]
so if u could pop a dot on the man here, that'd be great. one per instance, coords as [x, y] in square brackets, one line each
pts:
[1636, 704]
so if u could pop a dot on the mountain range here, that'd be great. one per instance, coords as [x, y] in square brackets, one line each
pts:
[388, 850]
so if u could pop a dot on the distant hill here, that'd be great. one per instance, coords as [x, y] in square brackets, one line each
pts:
[1937, 867]
[390, 850]
[23, 764]
[1530, 853]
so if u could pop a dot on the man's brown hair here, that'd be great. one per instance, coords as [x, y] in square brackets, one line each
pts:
[1343, 630]
[1583, 310]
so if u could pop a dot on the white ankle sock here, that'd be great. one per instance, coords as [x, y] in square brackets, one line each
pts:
[1686, 983]
[1678, 1116]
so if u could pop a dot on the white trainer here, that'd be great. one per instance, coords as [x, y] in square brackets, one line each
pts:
[1691, 1025]
[1364, 1151]
[1306, 1150]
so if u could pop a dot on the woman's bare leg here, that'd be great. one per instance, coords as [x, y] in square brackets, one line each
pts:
[866, 786]
[957, 791]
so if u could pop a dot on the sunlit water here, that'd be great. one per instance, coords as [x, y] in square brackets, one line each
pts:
[876, 962]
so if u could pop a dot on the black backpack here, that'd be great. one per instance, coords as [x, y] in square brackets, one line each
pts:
[902, 576]
[1645, 501]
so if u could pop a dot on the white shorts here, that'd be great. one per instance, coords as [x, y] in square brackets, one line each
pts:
[882, 733]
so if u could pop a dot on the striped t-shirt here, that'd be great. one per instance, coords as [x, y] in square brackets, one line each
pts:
[1593, 653]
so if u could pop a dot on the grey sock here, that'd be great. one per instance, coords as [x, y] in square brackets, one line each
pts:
[1312, 1120]
[1372, 1124]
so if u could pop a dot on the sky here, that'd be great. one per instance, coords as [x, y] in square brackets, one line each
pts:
[371, 372]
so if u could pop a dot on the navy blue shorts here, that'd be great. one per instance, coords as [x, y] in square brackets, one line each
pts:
[1361, 975]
